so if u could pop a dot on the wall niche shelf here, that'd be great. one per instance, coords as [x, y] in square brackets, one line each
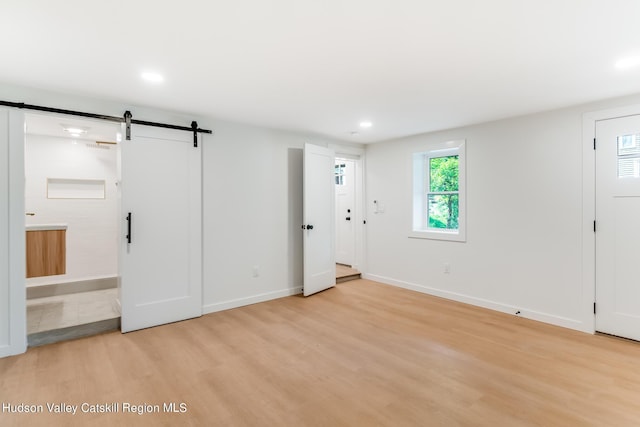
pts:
[62, 188]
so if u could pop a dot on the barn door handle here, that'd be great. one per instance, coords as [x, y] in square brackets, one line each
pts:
[128, 227]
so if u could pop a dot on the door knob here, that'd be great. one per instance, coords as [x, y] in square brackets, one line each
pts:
[307, 227]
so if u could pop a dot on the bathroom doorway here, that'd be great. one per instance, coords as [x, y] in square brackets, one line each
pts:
[71, 171]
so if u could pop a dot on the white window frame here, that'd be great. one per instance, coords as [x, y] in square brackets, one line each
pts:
[420, 179]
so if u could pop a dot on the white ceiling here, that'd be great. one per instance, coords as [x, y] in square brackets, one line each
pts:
[322, 66]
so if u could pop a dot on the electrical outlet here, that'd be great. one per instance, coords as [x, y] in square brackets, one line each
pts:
[447, 268]
[256, 271]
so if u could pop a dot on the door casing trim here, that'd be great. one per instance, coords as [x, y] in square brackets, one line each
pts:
[589, 121]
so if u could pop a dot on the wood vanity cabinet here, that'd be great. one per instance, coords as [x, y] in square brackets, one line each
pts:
[46, 252]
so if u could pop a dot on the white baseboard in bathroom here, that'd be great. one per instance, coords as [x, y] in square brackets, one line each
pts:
[72, 287]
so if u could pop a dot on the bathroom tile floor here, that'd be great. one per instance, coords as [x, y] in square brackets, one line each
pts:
[49, 313]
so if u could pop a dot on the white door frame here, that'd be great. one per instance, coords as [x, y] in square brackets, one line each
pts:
[17, 254]
[358, 156]
[589, 208]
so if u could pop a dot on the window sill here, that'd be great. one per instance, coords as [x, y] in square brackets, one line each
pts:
[452, 236]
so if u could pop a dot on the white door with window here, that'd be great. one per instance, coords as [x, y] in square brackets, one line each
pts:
[161, 249]
[618, 226]
[345, 211]
[318, 215]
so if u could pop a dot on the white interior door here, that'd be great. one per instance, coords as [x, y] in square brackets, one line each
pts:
[318, 219]
[345, 211]
[161, 268]
[618, 227]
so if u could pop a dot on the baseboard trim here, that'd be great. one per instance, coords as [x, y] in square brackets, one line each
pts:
[65, 288]
[480, 302]
[254, 299]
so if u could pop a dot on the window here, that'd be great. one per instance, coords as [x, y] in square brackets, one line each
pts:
[629, 156]
[439, 192]
[339, 173]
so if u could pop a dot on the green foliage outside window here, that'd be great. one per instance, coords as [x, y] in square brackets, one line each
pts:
[443, 197]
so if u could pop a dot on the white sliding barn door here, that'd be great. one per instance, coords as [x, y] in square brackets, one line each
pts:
[161, 267]
[618, 226]
[318, 219]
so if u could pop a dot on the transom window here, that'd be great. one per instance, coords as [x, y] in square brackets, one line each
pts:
[439, 192]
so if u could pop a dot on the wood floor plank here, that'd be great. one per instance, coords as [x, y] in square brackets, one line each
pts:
[361, 353]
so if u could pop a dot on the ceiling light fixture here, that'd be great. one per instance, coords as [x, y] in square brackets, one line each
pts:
[628, 62]
[74, 131]
[365, 124]
[152, 77]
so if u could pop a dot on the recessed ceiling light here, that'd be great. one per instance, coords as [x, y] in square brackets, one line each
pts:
[74, 131]
[365, 124]
[628, 62]
[152, 77]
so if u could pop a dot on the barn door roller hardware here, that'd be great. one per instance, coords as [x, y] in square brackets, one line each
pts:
[193, 128]
[127, 122]
[127, 119]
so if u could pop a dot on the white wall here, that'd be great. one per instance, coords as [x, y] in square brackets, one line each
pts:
[524, 218]
[92, 224]
[253, 213]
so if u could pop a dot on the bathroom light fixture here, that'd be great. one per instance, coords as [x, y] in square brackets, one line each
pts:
[74, 131]
[152, 77]
[365, 124]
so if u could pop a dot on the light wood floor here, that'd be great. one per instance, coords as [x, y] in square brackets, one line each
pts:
[345, 273]
[359, 354]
